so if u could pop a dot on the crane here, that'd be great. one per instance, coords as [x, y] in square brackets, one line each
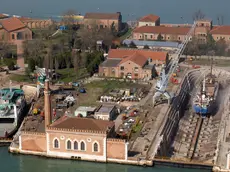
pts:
[167, 71]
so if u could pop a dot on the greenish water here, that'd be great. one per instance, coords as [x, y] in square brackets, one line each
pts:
[23, 163]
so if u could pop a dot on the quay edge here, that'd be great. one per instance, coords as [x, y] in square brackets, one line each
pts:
[143, 163]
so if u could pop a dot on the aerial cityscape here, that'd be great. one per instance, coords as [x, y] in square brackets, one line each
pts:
[86, 88]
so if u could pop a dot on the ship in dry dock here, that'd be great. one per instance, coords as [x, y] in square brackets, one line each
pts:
[204, 102]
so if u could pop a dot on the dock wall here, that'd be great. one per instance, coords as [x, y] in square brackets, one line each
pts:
[176, 112]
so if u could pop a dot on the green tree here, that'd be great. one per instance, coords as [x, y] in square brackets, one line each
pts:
[31, 65]
[221, 47]
[159, 37]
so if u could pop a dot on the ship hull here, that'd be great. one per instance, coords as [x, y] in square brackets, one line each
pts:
[207, 109]
[204, 111]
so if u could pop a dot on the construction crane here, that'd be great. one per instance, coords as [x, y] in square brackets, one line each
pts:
[167, 71]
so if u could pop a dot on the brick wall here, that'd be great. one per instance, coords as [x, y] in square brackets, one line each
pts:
[116, 149]
[33, 142]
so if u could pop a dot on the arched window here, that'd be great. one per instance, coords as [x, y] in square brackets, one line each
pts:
[56, 143]
[75, 145]
[68, 146]
[82, 145]
[95, 147]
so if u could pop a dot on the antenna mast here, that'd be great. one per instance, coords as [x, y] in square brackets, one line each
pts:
[211, 65]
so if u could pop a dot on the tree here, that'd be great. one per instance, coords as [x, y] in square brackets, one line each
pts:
[4, 49]
[159, 37]
[221, 47]
[198, 15]
[146, 47]
[132, 45]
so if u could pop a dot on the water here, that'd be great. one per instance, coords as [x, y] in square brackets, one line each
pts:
[23, 163]
[169, 10]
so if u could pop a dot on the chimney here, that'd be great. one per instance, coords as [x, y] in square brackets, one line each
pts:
[47, 102]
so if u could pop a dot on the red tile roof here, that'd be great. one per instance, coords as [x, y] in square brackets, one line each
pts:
[221, 30]
[77, 123]
[11, 24]
[122, 53]
[112, 16]
[162, 30]
[149, 18]
[137, 58]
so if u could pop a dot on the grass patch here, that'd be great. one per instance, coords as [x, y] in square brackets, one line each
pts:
[69, 75]
[137, 128]
[95, 89]
[20, 78]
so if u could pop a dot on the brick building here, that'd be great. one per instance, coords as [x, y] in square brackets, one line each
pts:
[221, 32]
[104, 20]
[167, 33]
[13, 30]
[36, 23]
[132, 63]
[149, 20]
[74, 138]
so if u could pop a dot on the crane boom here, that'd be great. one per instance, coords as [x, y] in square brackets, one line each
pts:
[162, 83]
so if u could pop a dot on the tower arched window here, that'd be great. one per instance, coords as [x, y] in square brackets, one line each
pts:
[82, 145]
[56, 143]
[68, 146]
[75, 145]
[95, 147]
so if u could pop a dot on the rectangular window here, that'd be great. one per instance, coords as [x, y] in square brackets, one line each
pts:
[122, 68]
[151, 36]
[136, 69]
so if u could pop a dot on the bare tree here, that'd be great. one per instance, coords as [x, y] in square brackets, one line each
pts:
[4, 49]
[198, 15]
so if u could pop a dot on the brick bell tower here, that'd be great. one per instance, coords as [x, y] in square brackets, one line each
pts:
[47, 102]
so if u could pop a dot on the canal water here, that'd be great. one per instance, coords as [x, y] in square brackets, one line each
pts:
[24, 163]
[170, 11]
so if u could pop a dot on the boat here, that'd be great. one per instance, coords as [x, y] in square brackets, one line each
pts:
[204, 102]
[12, 106]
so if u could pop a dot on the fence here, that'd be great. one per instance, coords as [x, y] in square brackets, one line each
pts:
[206, 57]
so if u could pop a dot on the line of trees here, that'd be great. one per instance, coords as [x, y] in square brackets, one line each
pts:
[75, 48]
[197, 48]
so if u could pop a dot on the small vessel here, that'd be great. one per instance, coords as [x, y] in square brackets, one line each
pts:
[204, 102]
[12, 105]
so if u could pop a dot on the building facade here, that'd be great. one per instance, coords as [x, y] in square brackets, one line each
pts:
[167, 33]
[149, 20]
[106, 112]
[36, 23]
[103, 20]
[12, 30]
[133, 63]
[74, 138]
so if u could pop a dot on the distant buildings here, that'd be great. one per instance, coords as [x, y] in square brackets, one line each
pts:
[149, 28]
[132, 63]
[36, 23]
[149, 20]
[167, 33]
[103, 20]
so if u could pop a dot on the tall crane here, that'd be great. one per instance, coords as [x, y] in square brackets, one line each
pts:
[167, 71]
